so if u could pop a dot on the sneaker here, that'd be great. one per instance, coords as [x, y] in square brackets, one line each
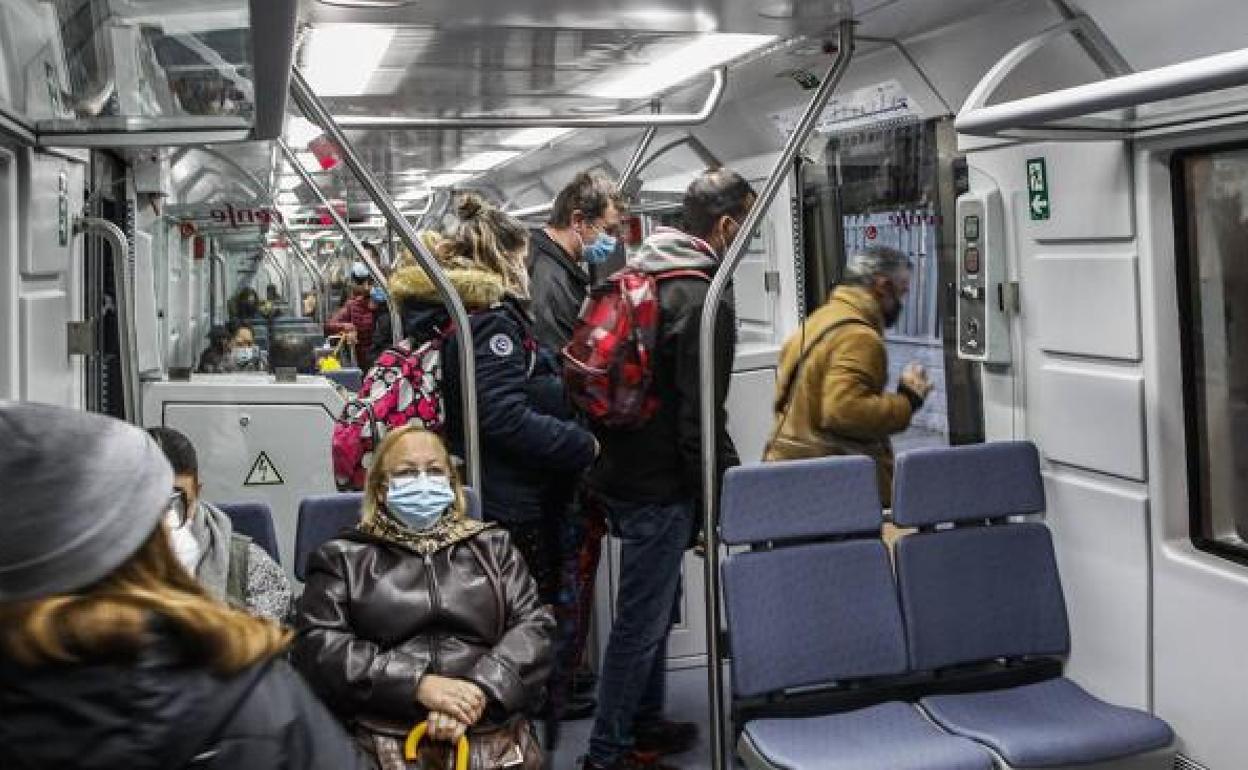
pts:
[631, 761]
[664, 737]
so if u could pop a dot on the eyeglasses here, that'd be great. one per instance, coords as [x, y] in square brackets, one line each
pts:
[176, 512]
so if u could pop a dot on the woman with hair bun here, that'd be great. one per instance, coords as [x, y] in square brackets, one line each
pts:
[529, 438]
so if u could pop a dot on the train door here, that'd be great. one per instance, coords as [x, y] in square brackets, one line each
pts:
[895, 185]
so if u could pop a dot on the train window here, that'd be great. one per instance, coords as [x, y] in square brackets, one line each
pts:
[1212, 196]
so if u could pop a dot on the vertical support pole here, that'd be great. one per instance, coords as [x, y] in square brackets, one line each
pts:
[316, 112]
[706, 365]
[634, 163]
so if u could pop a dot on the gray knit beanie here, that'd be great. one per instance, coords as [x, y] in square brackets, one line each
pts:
[79, 494]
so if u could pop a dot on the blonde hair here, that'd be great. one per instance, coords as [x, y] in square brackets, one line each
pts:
[376, 480]
[432, 240]
[111, 620]
[493, 240]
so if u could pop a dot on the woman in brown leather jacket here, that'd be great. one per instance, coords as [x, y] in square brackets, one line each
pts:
[422, 613]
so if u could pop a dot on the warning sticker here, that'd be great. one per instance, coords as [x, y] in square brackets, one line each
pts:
[263, 473]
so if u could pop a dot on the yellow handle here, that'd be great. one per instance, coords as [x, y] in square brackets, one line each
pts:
[411, 747]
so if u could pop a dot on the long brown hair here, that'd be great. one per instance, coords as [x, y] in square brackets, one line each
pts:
[112, 619]
[377, 480]
[493, 239]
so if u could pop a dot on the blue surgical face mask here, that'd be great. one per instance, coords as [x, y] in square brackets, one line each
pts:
[599, 250]
[378, 294]
[419, 501]
[245, 355]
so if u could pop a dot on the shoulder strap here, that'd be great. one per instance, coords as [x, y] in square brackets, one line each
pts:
[236, 575]
[206, 729]
[782, 405]
[683, 273]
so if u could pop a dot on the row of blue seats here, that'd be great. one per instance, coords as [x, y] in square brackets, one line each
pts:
[320, 518]
[903, 663]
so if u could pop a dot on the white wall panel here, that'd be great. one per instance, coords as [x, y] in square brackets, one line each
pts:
[1090, 418]
[44, 351]
[1085, 304]
[1089, 191]
[1100, 530]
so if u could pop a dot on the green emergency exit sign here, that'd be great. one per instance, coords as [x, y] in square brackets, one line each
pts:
[1037, 189]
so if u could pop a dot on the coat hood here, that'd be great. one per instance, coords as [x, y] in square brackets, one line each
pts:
[479, 289]
[670, 249]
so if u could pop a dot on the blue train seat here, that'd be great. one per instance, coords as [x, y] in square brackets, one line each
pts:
[989, 589]
[321, 518]
[815, 526]
[255, 520]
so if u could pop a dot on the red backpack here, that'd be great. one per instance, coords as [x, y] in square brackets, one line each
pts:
[403, 385]
[608, 365]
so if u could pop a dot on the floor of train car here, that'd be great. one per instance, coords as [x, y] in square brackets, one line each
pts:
[686, 702]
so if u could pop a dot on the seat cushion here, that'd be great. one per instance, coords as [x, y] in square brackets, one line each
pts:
[1049, 723]
[890, 736]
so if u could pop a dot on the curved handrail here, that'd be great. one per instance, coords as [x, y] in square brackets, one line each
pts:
[316, 112]
[127, 339]
[706, 371]
[719, 82]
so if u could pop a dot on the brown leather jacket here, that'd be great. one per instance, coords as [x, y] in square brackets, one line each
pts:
[375, 617]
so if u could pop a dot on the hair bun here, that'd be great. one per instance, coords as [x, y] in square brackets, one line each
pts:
[470, 207]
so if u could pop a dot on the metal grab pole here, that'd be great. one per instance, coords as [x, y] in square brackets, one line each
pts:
[310, 268]
[396, 319]
[283, 273]
[706, 367]
[634, 163]
[315, 111]
[127, 341]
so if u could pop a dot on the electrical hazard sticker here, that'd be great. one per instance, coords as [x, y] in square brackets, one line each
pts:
[263, 473]
[501, 345]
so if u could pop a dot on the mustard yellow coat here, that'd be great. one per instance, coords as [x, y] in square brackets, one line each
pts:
[838, 405]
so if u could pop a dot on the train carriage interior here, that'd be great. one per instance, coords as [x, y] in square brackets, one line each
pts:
[1067, 178]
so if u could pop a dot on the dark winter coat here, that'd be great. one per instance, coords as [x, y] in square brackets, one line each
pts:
[528, 439]
[94, 717]
[558, 286]
[375, 617]
[661, 462]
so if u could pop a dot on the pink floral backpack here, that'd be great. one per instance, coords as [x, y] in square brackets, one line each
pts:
[404, 384]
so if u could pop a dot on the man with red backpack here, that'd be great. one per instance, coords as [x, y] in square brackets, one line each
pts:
[649, 474]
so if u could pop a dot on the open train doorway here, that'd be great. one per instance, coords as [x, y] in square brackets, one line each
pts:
[896, 184]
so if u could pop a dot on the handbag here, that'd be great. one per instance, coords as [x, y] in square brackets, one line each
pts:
[510, 746]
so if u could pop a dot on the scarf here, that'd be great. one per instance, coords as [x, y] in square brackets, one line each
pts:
[670, 249]
[451, 528]
[212, 529]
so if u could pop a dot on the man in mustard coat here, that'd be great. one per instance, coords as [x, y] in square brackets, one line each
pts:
[830, 397]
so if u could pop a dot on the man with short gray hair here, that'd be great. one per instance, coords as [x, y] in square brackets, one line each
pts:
[830, 397]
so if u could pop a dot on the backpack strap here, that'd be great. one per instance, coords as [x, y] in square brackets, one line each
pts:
[682, 273]
[194, 745]
[236, 575]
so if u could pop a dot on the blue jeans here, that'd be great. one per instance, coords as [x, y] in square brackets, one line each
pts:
[630, 687]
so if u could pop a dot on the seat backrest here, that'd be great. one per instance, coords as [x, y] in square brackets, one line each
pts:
[255, 520]
[813, 612]
[976, 593]
[321, 518]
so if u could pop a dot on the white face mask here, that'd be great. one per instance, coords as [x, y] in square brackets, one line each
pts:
[185, 547]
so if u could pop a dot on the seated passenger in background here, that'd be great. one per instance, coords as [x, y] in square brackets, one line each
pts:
[311, 301]
[111, 656]
[529, 437]
[216, 357]
[245, 354]
[830, 397]
[229, 565]
[291, 351]
[423, 613]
